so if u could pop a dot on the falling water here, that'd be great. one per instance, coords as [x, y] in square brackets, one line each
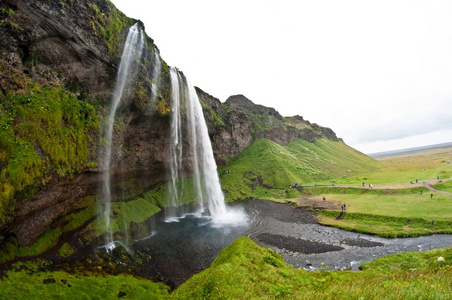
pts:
[174, 193]
[156, 76]
[132, 49]
[188, 125]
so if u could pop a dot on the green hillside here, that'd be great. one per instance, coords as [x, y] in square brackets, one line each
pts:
[266, 164]
[247, 271]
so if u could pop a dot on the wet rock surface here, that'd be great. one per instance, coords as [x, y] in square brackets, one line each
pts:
[296, 245]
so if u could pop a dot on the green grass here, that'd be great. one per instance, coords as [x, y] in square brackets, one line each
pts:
[26, 282]
[425, 165]
[246, 271]
[387, 212]
[444, 186]
[386, 226]
[391, 202]
[279, 166]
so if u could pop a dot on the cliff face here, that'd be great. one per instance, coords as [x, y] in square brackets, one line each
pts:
[58, 65]
[236, 123]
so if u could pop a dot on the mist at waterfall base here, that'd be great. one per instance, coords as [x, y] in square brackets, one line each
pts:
[189, 143]
[188, 246]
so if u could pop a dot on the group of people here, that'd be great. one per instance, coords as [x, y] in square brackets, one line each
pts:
[431, 195]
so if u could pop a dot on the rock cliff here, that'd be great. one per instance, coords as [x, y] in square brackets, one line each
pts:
[57, 72]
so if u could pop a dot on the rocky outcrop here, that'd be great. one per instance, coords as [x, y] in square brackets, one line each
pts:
[242, 122]
[242, 103]
[56, 44]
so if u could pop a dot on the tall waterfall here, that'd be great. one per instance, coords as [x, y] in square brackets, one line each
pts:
[132, 50]
[189, 130]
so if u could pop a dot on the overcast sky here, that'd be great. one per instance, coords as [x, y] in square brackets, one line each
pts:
[379, 73]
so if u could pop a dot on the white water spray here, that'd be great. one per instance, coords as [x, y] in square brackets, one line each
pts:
[132, 49]
[188, 125]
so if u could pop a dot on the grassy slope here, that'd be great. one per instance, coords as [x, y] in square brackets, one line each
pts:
[244, 270]
[299, 162]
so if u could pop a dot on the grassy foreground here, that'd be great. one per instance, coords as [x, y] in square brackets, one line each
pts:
[246, 271]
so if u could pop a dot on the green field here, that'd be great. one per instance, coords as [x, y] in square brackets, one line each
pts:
[423, 165]
[396, 205]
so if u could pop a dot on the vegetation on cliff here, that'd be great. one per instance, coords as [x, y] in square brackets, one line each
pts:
[46, 131]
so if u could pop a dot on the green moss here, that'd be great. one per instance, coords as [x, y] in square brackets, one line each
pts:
[43, 129]
[27, 283]
[109, 23]
[163, 108]
[211, 114]
[47, 240]
[66, 250]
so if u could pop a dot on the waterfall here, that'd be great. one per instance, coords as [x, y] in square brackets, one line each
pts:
[188, 127]
[132, 49]
[174, 197]
[156, 76]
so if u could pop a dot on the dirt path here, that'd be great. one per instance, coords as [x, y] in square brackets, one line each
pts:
[426, 183]
[317, 202]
